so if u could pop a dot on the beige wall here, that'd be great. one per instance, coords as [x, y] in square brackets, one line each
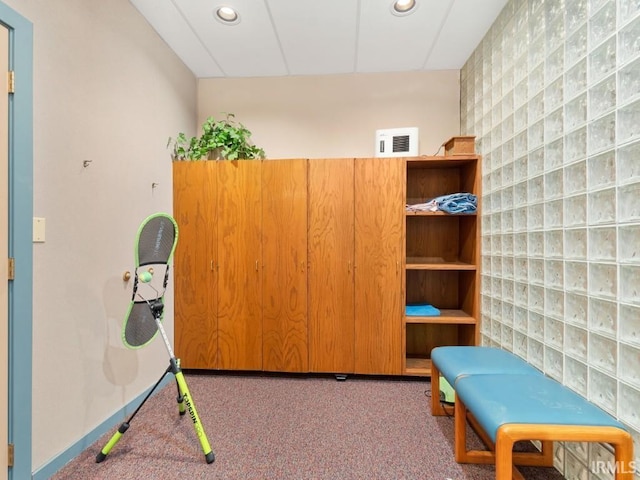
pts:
[336, 115]
[106, 89]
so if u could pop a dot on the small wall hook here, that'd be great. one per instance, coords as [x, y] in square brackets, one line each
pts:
[154, 185]
[86, 163]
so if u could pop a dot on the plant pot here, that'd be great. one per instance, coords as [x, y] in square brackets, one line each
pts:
[215, 154]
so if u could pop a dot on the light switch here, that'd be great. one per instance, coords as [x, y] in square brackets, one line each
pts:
[38, 229]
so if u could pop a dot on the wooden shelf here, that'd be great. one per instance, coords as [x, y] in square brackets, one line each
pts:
[418, 366]
[411, 213]
[429, 263]
[441, 161]
[446, 316]
[442, 255]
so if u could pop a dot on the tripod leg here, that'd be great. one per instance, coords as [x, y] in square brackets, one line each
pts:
[191, 407]
[125, 425]
[180, 398]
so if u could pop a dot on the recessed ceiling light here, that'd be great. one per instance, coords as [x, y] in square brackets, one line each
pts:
[227, 15]
[403, 7]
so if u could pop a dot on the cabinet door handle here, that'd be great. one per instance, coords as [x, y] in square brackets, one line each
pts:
[256, 265]
[349, 266]
[212, 265]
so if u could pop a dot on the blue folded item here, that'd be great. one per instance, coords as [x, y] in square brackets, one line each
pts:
[423, 310]
[457, 203]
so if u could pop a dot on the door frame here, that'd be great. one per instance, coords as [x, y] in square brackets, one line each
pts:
[20, 240]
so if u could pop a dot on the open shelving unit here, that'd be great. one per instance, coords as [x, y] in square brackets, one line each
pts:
[442, 259]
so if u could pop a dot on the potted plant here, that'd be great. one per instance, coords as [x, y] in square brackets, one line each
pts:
[220, 140]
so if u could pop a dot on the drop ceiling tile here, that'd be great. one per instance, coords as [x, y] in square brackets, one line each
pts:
[177, 33]
[388, 42]
[249, 48]
[317, 37]
[466, 25]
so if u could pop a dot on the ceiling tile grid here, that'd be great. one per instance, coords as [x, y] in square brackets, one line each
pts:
[311, 37]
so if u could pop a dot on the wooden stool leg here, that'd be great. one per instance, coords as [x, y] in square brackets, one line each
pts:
[460, 431]
[504, 453]
[436, 408]
[547, 453]
[624, 459]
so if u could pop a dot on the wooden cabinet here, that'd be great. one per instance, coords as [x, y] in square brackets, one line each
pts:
[442, 259]
[240, 265]
[237, 261]
[194, 209]
[356, 227]
[218, 310]
[379, 266]
[331, 245]
[306, 266]
[284, 287]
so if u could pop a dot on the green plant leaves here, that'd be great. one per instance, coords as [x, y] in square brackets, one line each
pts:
[226, 138]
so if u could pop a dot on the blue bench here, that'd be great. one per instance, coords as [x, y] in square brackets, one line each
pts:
[455, 361]
[515, 407]
[506, 401]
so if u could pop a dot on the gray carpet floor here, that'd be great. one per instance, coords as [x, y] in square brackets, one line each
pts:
[289, 427]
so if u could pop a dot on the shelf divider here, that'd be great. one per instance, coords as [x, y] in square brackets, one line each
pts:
[428, 263]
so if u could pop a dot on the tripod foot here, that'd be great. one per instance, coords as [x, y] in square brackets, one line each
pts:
[210, 457]
[111, 443]
[181, 409]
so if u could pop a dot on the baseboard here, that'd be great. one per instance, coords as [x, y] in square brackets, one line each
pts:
[54, 465]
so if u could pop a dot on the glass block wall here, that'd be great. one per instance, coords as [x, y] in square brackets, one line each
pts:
[552, 94]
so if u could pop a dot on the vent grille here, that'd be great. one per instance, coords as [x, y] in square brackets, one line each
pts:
[401, 143]
[397, 142]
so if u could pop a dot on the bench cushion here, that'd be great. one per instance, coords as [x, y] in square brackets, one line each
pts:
[498, 399]
[454, 361]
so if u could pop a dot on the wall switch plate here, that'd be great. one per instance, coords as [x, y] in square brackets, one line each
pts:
[38, 229]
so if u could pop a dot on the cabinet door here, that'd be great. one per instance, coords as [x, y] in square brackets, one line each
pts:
[194, 209]
[239, 253]
[379, 297]
[284, 243]
[331, 259]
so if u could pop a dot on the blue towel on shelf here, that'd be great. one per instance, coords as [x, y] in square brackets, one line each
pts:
[423, 310]
[457, 203]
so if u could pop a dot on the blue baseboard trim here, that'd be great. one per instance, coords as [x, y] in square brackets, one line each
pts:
[110, 424]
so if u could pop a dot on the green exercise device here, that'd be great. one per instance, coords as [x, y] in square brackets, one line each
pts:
[155, 243]
[447, 394]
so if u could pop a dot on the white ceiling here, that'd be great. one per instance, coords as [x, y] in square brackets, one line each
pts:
[317, 37]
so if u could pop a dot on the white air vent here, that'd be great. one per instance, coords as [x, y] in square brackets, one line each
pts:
[397, 142]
